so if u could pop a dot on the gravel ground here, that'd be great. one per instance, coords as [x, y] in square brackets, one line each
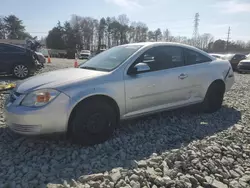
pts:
[170, 149]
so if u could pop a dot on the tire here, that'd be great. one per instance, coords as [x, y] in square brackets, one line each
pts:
[214, 98]
[93, 122]
[21, 71]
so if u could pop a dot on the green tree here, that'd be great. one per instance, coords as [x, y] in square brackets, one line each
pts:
[71, 36]
[14, 28]
[55, 38]
[151, 35]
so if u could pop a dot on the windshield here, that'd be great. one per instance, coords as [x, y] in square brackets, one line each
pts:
[110, 59]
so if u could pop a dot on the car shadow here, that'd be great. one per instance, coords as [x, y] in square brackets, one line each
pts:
[52, 159]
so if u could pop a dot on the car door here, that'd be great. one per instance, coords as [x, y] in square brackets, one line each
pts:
[165, 85]
[3, 58]
[197, 68]
[9, 55]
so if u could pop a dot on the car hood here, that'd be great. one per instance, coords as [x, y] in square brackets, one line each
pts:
[39, 53]
[56, 78]
[245, 61]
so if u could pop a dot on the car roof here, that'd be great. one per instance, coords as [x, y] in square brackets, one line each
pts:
[162, 43]
[234, 54]
[158, 44]
[154, 44]
[217, 54]
[7, 44]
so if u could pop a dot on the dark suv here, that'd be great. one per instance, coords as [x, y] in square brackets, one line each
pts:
[16, 60]
[234, 59]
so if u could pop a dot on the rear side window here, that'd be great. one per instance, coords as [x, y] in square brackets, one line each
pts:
[192, 57]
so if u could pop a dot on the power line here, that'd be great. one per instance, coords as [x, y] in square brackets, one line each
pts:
[228, 37]
[196, 27]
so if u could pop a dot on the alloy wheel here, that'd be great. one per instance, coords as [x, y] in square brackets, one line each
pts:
[21, 71]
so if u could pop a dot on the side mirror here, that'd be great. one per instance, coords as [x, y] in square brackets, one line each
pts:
[138, 68]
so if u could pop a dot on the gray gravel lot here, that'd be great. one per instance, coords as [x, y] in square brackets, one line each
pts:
[170, 149]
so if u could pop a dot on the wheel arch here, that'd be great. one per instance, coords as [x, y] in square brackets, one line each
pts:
[104, 97]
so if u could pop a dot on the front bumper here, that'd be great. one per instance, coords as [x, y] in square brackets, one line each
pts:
[243, 68]
[51, 118]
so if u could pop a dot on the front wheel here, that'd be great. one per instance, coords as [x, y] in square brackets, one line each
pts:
[214, 98]
[20, 71]
[93, 122]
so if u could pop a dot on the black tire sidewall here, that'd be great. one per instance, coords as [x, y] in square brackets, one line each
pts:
[18, 76]
[213, 99]
[80, 135]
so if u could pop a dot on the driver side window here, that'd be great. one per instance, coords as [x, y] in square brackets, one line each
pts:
[160, 58]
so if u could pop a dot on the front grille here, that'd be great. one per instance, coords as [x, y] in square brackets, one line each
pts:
[84, 55]
[244, 67]
[25, 128]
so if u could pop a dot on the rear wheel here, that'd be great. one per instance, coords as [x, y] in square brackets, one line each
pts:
[20, 71]
[93, 122]
[214, 97]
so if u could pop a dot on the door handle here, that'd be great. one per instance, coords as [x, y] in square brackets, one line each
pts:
[183, 76]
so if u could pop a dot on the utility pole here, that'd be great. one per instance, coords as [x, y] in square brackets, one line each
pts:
[228, 37]
[196, 28]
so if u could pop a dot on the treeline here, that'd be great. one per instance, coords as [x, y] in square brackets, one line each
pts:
[90, 33]
[11, 27]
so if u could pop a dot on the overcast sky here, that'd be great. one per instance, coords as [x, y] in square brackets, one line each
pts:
[176, 15]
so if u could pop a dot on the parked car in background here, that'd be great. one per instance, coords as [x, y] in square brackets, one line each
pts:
[120, 83]
[100, 51]
[234, 59]
[17, 60]
[220, 56]
[85, 54]
[41, 58]
[244, 65]
[44, 51]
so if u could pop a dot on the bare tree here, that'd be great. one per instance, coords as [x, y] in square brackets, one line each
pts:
[158, 34]
[204, 40]
[2, 29]
[101, 32]
[112, 31]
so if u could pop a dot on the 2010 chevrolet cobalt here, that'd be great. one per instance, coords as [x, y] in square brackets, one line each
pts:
[123, 82]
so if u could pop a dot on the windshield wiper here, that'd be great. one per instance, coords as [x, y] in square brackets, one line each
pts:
[90, 68]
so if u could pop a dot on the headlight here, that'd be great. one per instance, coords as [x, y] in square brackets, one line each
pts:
[39, 97]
